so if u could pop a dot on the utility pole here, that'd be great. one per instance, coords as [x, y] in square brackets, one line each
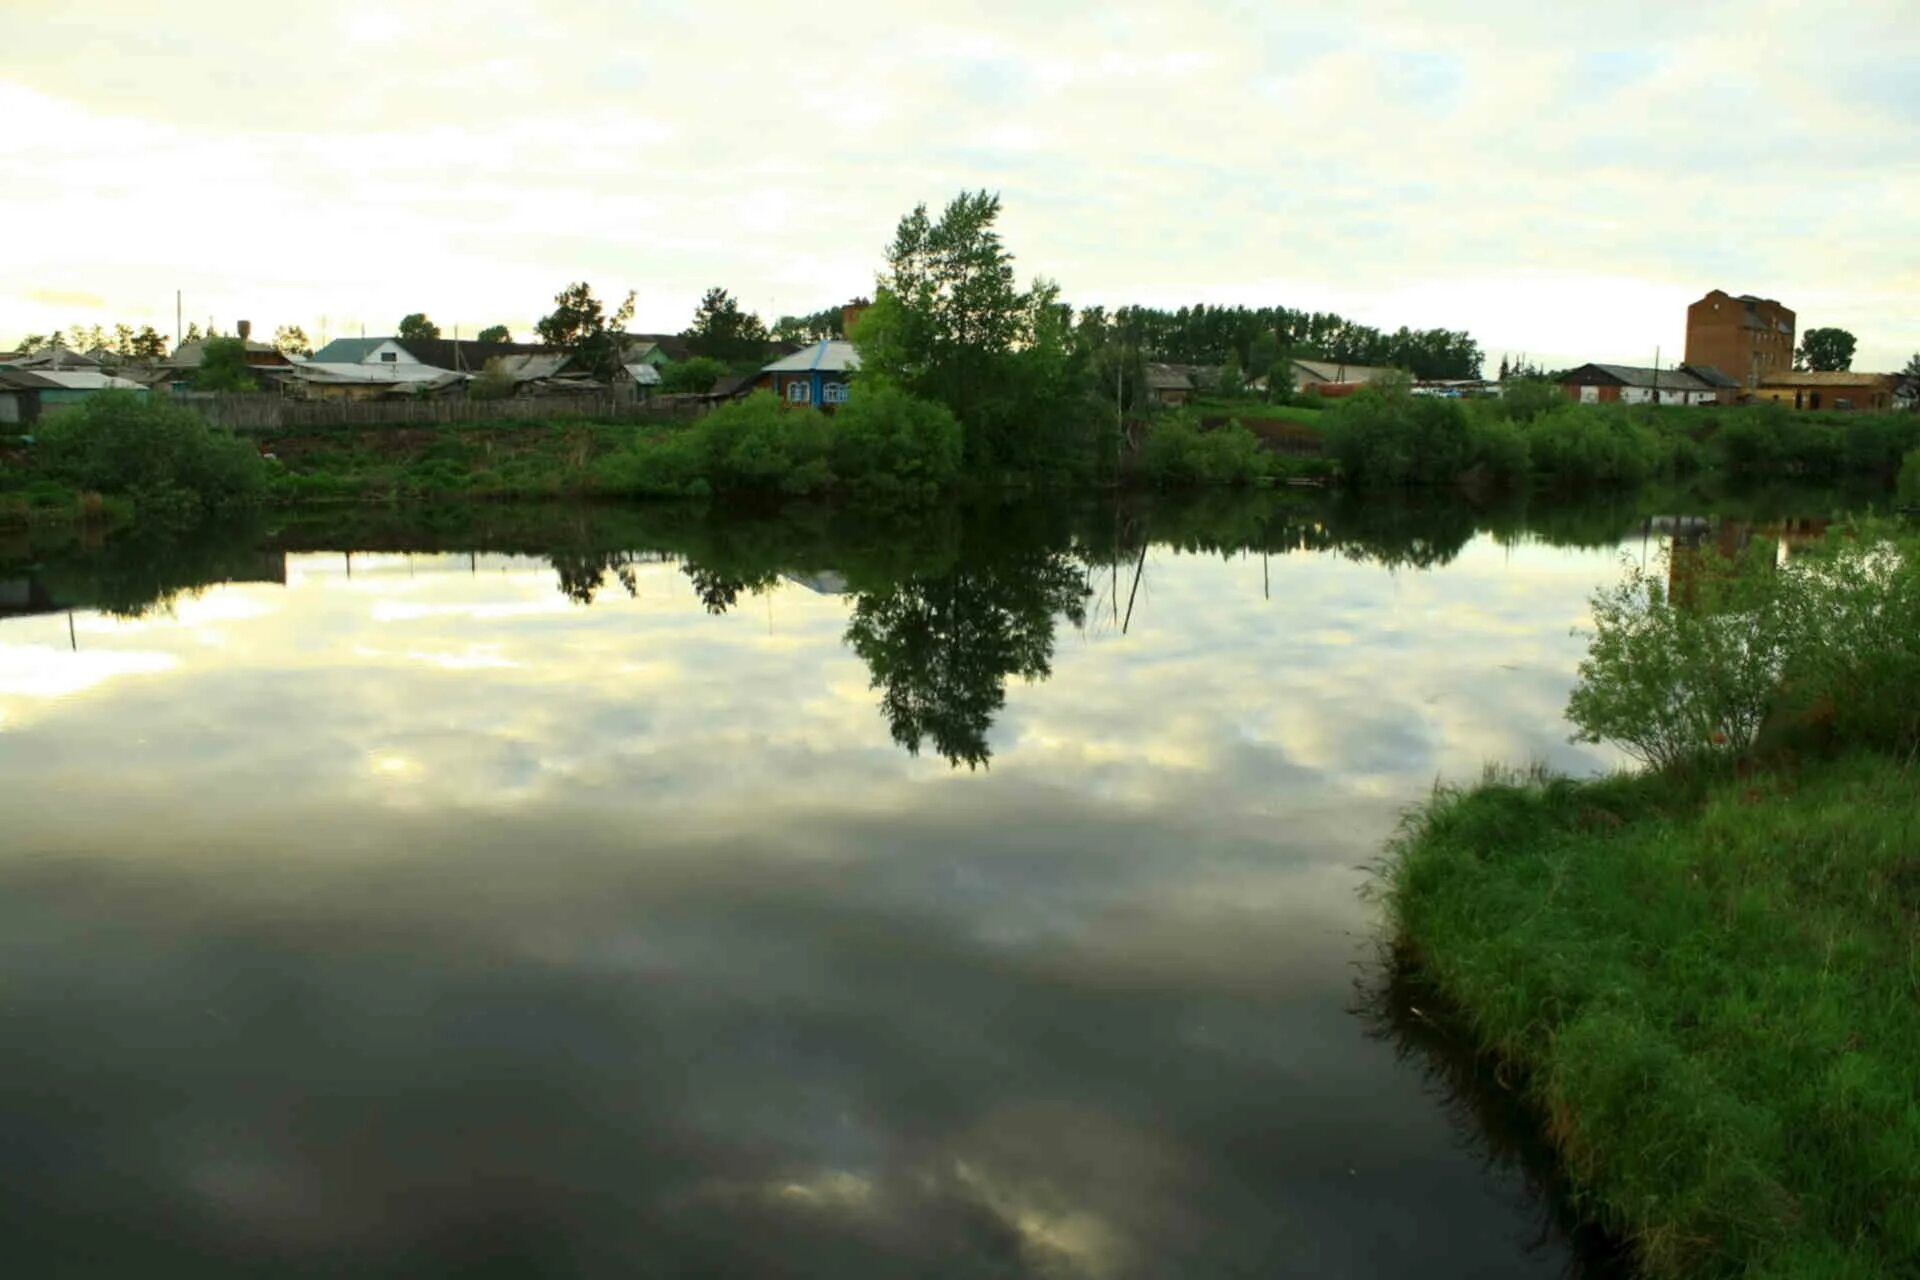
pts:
[1656, 373]
[177, 331]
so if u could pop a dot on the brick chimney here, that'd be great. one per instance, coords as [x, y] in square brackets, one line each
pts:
[245, 329]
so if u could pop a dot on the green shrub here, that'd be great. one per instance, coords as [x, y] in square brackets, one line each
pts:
[760, 445]
[1828, 641]
[1910, 478]
[1383, 436]
[885, 439]
[1591, 444]
[1874, 444]
[1178, 452]
[1854, 665]
[163, 456]
[1524, 399]
[696, 375]
[1500, 447]
[223, 367]
[1672, 679]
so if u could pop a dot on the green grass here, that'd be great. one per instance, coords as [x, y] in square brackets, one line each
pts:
[1713, 992]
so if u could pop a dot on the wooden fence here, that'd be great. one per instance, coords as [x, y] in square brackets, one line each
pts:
[244, 412]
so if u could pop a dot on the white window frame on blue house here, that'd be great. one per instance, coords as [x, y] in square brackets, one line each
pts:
[833, 393]
[798, 392]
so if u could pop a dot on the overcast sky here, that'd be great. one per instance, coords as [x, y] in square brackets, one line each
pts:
[1557, 178]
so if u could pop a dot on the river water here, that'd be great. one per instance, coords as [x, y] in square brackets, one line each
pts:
[660, 892]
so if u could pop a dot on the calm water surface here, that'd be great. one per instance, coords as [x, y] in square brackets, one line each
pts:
[589, 893]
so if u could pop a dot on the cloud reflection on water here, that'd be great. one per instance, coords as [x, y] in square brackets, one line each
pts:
[433, 919]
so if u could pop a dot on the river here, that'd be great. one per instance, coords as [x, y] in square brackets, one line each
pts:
[599, 891]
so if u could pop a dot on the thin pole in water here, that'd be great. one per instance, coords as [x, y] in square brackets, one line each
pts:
[73, 640]
[1137, 570]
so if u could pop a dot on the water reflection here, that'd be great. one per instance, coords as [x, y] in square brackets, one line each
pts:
[548, 891]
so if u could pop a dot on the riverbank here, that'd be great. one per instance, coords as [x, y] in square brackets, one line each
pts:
[1710, 992]
[1704, 977]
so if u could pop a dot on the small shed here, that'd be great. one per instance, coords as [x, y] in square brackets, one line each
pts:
[1168, 385]
[33, 393]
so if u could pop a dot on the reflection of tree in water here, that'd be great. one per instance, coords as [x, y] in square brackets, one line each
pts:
[1401, 1009]
[719, 592]
[940, 648]
[583, 573]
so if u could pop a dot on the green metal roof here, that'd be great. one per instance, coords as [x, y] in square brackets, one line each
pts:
[347, 350]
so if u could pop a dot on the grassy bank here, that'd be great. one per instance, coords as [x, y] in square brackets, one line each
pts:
[1714, 994]
[1707, 975]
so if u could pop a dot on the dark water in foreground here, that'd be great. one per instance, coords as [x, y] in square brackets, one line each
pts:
[589, 892]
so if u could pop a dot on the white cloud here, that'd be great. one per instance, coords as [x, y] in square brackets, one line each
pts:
[1507, 168]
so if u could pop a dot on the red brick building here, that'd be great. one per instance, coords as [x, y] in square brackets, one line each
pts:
[1747, 338]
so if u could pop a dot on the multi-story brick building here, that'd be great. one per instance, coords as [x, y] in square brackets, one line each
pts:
[1746, 338]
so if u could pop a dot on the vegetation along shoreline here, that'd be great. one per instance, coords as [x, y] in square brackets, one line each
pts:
[1703, 974]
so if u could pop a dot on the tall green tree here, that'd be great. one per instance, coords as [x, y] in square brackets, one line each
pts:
[579, 324]
[1825, 350]
[723, 331]
[494, 333]
[223, 367]
[948, 323]
[1910, 379]
[418, 326]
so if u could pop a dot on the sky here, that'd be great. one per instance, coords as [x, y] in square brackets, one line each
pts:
[1559, 180]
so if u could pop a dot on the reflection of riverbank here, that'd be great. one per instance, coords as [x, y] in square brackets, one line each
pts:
[1482, 1100]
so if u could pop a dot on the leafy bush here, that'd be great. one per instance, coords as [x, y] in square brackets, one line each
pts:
[163, 456]
[223, 367]
[1178, 452]
[696, 375]
[1383, 436]
[1524, 399]
[1830, 639]
[1855, 661]
[1910, 478]
[1671, 679]
[885, 439]
[1499, 448]
[1874, 444]
[1591, 444]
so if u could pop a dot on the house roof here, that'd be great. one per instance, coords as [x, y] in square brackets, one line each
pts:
[347, 350]
[68, 380]
[644, 374]
[834, 355]
[24, 380]
[1166, 377]
[1711, 376]
[635, 345]
[458, 356]
[1828, 378]
[355, 372]
[1340, 371]
[65, 357]
[1630, 375]
[470, 357]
